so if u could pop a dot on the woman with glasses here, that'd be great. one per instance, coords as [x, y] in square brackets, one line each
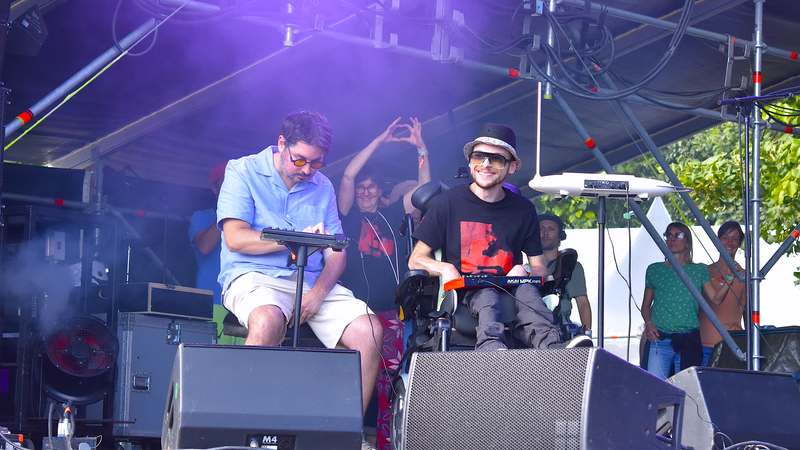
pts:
[375, 263]
[670, 311]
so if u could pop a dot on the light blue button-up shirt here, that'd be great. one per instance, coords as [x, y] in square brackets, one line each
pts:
[253, 191]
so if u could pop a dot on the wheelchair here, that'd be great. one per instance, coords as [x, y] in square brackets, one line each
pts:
[440, 322]
[442, 325]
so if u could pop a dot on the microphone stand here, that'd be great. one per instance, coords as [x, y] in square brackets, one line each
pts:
[601, 277]
[301, 251]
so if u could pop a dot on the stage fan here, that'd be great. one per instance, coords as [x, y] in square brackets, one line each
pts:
[75, 360]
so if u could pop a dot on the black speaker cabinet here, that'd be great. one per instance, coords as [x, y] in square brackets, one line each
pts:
[744, 405]
[271, 397]
[780, 348]
[581, 398]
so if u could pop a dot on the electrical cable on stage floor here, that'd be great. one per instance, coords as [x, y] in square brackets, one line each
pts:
[755, 445]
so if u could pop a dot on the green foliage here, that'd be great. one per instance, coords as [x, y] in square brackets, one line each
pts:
[576, 211]
[712, 163]
[717, 180]
[581, 212]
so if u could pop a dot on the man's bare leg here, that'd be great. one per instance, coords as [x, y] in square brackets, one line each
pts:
[266, 326]
[365, 334]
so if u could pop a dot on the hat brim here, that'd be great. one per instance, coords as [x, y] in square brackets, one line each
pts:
[495, 142]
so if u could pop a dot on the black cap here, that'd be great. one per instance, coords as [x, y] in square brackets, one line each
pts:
[553, 218]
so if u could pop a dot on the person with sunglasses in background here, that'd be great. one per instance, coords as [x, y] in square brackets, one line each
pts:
[670, 311]
[281, 188]
[484, 228]
[375, 262]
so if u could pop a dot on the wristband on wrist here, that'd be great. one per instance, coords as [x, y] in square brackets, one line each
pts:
[726, 280]
[422, 157]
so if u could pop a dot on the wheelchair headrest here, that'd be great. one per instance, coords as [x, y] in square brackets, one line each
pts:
[512, 188]
[423, 197]
[565, 264]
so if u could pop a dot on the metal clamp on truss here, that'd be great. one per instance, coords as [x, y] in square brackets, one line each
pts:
[378, 39]
[731, 51]
[441, 50]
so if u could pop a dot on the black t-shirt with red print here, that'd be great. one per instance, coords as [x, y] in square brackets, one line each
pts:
[481, 237]
[374, 236]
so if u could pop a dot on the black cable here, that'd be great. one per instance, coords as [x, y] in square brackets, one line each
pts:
[586, 93]
[393, 14]
[702, 103]
[495, 47]
[497, 286]
[757, 444]
[378, 347]
[782, 110]
[9, 442]
[775, 119]
[116, 40]
[158, 11]
[630, 287]
[50, 409]
[589, 52]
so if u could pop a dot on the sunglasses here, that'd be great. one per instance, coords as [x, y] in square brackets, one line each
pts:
[300, 162]
[497, 161]
[679, 235]
[373, 188]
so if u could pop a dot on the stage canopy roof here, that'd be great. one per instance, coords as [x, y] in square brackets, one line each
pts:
[215, 80]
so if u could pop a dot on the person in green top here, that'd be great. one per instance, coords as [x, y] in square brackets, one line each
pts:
[670, 311]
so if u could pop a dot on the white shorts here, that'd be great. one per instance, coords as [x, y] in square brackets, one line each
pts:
[254, 289]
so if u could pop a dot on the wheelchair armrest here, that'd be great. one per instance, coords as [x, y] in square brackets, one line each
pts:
[449, 303]
[438, 314]
[412, 291]
[416, 273]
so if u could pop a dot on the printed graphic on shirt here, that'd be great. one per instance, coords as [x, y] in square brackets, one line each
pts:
[370, 244]
[481, 252]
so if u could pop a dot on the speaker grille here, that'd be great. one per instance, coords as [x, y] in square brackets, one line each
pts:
[497, 397]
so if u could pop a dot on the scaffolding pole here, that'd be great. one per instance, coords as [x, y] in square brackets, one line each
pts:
[754, 362]
[654, 234]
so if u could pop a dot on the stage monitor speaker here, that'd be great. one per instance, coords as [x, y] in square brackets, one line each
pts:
[780, 349]
[725, 407]
[269, 397]
[580, 398]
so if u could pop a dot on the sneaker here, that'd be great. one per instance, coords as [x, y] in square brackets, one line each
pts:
[366, 445]
[578, 341]
[491, 345]
[581, 340]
